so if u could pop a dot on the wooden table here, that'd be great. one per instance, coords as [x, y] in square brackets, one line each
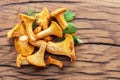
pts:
[98, 58]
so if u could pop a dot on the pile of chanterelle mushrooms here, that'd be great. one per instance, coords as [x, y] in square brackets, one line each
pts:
[26, 39]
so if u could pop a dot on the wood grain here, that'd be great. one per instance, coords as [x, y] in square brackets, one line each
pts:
[98, 58]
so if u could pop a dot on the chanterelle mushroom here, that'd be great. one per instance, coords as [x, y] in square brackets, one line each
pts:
[23, 47]
[37, 58]
[38, 29]
[28, 21]
[43, 18]
[54, 29]
[21, 60]
[43, 21]
[59, 15]
[17, 31]
[56, 62]
[65, 47]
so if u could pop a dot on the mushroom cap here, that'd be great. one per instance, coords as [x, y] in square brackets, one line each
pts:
[23, 47]
[26, 17]
[56, 29]
[17, 31]
[37, 58]
[61, 20]
[58, 11]
[65, 47]
[43, 14]
[43, 18]
[59, 15]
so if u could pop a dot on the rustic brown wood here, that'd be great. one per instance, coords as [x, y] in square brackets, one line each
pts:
[98, 58]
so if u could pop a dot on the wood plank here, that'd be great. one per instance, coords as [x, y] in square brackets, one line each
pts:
[98, 58]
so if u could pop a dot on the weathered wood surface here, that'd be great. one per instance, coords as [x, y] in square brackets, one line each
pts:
[98, 58]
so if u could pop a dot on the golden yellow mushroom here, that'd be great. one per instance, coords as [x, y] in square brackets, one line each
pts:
[43, 21]
[21, 60]
[54, 29]
[56, 62]
[37, 58]
[22, 46]
[17, 31]
[43, 18]
[38, 29]
[59, 15]
[28, 21]
[65, 47]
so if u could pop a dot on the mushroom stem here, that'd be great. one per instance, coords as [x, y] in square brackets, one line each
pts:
[37, 43]
[44, 33]
[56, 62]
[54, 29]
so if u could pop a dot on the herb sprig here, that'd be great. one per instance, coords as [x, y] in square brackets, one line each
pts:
[31, 12]
[71, 29]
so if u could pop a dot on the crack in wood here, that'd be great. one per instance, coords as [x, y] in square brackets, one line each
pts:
[113, 71]
[90, 43]
[90, 29]
[29, 2]
[113, 78]
[6, 65]
[95, 74]
[91, 19]
[93, 61]
[14, 76]
[51, 79]
[99, 43]
[5, 29]
[1, 78]
[30, 74]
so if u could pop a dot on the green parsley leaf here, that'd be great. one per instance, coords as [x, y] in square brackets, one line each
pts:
[34, 25]
[30, 12]
[70, 24]
[69, 15]
[70, 29]
[76, 40]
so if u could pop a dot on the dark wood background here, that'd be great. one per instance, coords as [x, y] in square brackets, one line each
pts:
[98, 58]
